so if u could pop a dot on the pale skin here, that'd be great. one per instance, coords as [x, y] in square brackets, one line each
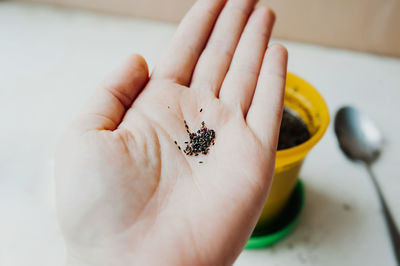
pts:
[126, 195]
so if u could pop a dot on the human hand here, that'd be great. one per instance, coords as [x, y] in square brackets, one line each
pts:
[126, 195]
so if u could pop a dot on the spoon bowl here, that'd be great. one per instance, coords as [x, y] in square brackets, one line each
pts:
[358, 136]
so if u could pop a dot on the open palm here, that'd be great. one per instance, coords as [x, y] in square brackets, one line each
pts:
[127, 195]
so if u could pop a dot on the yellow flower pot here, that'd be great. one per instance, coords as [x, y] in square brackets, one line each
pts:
[302, 98]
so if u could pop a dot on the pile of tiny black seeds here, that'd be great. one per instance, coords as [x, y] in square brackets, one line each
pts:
[200, 141]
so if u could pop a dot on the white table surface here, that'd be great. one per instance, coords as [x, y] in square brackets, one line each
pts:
[52, 58]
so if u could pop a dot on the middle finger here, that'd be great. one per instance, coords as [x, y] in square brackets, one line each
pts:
[214, 62]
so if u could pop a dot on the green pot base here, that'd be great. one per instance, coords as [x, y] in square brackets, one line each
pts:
[268, 235]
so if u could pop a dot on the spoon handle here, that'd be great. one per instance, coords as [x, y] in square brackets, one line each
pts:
[391, 225]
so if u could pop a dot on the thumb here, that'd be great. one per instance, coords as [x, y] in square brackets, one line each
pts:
[108, 105]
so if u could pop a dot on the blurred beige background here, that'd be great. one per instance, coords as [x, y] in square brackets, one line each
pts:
[363, 25]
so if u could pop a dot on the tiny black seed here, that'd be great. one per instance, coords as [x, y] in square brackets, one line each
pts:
[179, 147]
[199, 142]
[201, 162]
[201, 110]
[176, 142]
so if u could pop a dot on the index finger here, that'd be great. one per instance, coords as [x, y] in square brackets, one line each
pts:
[181, 56]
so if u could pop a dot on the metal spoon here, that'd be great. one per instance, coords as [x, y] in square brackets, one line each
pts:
[361, 140]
